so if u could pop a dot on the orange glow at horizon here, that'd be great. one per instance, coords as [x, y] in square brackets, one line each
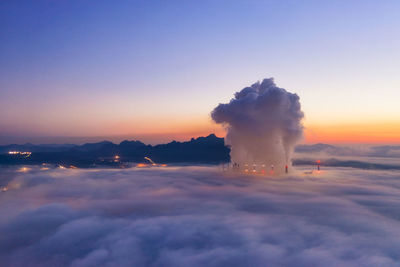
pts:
[374, 133]
[179, 129]
[362, 133]
[336, 133]
[346, 133]
[163, 130]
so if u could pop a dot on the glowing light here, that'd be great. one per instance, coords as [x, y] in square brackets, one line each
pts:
[142, 165]
[149, 159]
[116, 158]
[4, 189]
[73, 167]
[246, 167]
[61, 167]
[23, 169]
[23, 153]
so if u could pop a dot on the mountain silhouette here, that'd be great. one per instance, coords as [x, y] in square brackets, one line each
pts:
[203, 150]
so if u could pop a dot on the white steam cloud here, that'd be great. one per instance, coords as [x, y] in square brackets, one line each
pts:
[264, 123]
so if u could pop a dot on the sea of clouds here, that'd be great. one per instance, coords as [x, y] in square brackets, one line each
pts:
[198, 216]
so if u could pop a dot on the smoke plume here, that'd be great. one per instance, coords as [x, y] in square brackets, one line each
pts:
[263, 122]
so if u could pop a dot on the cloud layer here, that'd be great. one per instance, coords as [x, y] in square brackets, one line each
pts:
[350, 150]
[198, 216]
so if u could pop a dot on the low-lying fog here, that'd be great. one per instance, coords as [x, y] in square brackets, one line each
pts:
[198, 216]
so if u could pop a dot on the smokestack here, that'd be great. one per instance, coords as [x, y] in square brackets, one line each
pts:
[263, 124]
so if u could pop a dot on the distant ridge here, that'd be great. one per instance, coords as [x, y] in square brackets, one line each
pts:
[207, 150]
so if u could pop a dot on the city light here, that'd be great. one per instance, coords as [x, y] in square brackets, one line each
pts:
[23, 153]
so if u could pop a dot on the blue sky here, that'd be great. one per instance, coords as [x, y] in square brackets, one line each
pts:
[136, 68]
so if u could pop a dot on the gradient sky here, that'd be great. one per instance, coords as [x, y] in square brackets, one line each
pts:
[154, 70]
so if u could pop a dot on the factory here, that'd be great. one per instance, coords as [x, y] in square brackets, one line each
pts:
[261, 169]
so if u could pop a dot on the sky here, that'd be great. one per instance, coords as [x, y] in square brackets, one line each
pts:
[74, 71]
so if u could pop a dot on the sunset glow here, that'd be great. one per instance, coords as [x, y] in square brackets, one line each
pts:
[121, 84]
[200, 133]
[372, 133]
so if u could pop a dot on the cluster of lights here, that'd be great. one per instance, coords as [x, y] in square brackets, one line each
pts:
[23, 153]
[151, 163]
[66, 167]
[253, 168]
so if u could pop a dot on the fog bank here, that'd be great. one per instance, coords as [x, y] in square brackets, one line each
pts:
[199, 216]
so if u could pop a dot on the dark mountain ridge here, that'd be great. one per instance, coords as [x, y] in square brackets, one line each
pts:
[207, 150]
